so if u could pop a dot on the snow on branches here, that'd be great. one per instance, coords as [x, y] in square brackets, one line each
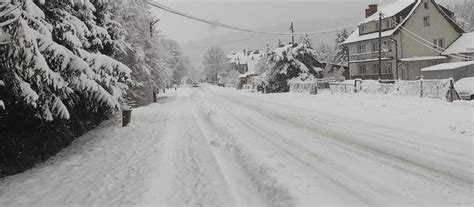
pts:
[51, 63]
[289, 62]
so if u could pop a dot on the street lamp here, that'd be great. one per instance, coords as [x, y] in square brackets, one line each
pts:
[396, 55]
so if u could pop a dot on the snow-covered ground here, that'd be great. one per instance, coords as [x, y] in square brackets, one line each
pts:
[212, 146]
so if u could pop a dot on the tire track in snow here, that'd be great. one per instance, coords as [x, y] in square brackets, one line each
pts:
[187, 173]
[194, 169]
[269, 138]
[268, 186]
[342, 182]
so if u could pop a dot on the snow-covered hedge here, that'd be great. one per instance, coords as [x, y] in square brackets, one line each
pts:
[421, 88]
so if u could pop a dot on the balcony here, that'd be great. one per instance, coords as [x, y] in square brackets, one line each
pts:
[370, 56]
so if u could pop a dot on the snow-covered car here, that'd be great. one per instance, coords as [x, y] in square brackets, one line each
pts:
[195, 85]
[465, 88]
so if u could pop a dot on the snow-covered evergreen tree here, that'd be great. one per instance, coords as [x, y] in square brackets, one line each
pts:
[464, 14]
[341, 50]
[51, 63]
[154, 60]
[324, 53]
[290, 62]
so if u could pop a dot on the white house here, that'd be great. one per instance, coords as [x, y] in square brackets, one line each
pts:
[413, 35]
[246, 63]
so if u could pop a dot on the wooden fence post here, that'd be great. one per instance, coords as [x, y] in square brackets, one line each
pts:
[421, 87]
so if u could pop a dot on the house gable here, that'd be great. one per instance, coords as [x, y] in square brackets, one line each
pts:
[430, 24]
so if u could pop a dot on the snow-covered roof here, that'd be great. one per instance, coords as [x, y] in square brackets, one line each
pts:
[369, 60]
[318, 69]
[422, 58]
[388, 11]
[464, 44]
[356, 37]
[250, 58]
[447, 66]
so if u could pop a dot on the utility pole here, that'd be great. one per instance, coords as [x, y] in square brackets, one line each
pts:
[396, 57]
[217, 66]
[380, 45]
[152, 25]
[292, 28]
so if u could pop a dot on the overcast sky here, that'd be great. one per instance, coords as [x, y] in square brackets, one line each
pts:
[253, 14]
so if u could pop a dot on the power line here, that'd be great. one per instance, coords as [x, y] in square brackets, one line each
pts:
[227, 43]
[430, 46]
[425, 40]
[433, 46]
[189, 16]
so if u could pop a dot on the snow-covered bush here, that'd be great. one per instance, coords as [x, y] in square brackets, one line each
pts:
[290, 62]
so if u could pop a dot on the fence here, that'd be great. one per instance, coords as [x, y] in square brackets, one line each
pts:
[421, 88]
[342, 87]
[311, 87]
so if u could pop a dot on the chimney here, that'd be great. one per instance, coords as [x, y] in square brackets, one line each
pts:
[371, 10]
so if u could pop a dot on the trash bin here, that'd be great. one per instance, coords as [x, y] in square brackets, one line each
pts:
[126, 116]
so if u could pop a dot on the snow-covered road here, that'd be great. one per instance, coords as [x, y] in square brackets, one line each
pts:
[211, 146]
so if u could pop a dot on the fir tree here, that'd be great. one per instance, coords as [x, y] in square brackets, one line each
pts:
[52, 61]
[290, 62]
[341, 50]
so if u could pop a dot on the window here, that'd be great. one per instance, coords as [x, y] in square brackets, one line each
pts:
[363, 28]
[427, 4]
[426, 21]
[375, 46]
[386, 46]
[438, 43]
[387, 69]
[377, 26]
[361, 48]
[388, 23]
[375, 68]
[362, 69]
